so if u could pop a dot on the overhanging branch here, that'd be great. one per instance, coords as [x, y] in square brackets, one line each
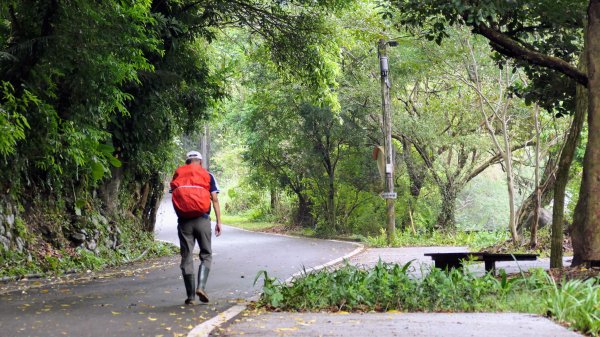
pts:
[494, 160]
[511, 48]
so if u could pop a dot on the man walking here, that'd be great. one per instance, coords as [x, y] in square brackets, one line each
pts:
[193, 190]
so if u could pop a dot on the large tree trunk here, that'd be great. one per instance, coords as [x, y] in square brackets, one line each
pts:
[446, 218]
[303, 216]
[586, 224]
[562, 173]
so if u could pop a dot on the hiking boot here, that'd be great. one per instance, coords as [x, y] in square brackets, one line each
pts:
[202, 278]
[188, 281]
[202, 295]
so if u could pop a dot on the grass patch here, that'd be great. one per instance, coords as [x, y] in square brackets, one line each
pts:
[245, 222]
[475, 240]
[394, 287]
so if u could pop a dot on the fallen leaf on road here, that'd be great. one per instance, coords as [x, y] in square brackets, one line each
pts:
[115, 313]
[151, 319]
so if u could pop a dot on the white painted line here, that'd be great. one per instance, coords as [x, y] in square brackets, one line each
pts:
[204, 329]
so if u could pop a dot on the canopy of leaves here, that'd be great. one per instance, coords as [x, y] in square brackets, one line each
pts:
[552, 28]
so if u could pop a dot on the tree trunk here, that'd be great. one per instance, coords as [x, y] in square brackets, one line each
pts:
[416, 175]
[303, 216]
[511, 203]
[331, 202]
[446, 218]
[151, 207]
[538, 192]
[508, 166]
[562, 173]
[586, 224]
[274, 198]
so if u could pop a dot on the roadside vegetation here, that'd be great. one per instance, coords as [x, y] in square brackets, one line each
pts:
[489, 101]
[46, 260]
[393, 287]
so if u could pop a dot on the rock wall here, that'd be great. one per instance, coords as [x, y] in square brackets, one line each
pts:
[19, 230]
[9, 233]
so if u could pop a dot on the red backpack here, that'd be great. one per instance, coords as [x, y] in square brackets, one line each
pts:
[191, 191]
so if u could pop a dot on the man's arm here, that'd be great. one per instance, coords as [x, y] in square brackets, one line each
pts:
[214, 196]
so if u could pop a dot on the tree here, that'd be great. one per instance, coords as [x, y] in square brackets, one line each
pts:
[512, 29]
[500, 111]
[445, 120]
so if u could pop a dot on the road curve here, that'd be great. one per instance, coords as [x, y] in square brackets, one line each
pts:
[148, 302]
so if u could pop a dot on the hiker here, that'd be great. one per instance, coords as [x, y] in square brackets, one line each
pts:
[193, 189]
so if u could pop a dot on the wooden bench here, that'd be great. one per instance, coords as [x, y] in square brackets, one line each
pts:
[454, 260]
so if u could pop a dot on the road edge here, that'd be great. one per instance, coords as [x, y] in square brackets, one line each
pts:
[204, 329]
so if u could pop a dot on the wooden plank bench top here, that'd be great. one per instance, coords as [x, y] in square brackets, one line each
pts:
[454, 260]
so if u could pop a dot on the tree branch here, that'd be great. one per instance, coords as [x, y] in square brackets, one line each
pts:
[494, 160]
[511, 48]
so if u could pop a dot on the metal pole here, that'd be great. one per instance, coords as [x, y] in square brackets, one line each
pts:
[389, 194]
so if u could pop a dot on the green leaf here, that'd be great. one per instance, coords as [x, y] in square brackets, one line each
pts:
[97, 171]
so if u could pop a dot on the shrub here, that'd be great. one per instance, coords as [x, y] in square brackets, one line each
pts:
[396, 287]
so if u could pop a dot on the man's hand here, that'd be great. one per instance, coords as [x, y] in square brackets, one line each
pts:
[215, 201]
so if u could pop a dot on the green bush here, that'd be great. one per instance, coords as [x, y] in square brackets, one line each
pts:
[389, 287]
[574, 302]
[396, 287]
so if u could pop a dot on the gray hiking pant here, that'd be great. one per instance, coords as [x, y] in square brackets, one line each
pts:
[190, 231]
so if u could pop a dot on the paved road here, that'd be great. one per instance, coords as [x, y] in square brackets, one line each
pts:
[393, 324]
[148, 302]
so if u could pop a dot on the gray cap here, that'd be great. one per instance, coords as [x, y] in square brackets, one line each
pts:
[194, 155]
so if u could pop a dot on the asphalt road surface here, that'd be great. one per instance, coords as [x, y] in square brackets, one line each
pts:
[146, 299]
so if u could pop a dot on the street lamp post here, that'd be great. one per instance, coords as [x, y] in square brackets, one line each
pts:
[389, 195]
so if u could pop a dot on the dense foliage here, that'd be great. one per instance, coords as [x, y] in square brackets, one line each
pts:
[94, 96]
[443, 150]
